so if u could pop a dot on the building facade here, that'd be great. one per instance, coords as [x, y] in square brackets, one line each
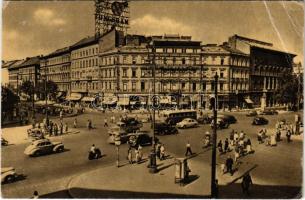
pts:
[56, 66]
[85, 67]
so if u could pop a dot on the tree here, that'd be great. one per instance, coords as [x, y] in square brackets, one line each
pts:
[51, 87]
[27, 87]
[9, 101]
[287, 93]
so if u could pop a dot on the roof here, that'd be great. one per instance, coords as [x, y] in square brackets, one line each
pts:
[8, 63]
[166, 43]
[271, 49]
[16, 64]
[252, 40]
[85, 42]
[58, 52]
[31, 61]
[232, 50]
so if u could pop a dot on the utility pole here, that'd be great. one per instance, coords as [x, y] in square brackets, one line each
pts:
[299, 84]
[214, 140]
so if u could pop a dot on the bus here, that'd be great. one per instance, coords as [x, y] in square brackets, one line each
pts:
[173, 117]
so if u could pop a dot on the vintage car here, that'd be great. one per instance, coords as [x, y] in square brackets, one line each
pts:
[43, 146]
[204, 119]
[140, 138]
[162, 128]
[8, 174]
[251, 113]
[117, 132]
[259, 121]
[35, 133]
[130, 125]
[220, 123]
[187, 123]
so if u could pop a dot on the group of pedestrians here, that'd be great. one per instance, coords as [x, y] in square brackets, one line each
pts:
[137, 154]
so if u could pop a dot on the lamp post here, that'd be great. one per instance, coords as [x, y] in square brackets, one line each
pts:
[214, 140]
[117, 142]
[153, 160]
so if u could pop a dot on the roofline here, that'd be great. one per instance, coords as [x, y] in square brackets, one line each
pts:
[273, 50]
[253, 40]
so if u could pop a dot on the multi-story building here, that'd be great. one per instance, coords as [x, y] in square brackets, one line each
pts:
[56, 67]
[232, 68]
[85, 67]
[4, 71]
[267, 67]
[14, 78]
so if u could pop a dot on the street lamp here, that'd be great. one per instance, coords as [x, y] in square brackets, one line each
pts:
[153, 160]
[214, 139]
[117, 142]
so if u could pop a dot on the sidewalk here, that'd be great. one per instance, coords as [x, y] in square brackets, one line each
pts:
[135, 181]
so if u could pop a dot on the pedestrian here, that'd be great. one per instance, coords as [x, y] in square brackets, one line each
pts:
[232, 135]
[113, 118]
[236, 153]
[66, 128]
[105, 122]
[55, 129]
[229, 165]
[249, 146]
[226, 146]
[241, 135]
[245, 184]
[188, 149]
[89, 124]
[288, 135]
[278, 135]
[129, 155]
[61, 114]
[235, 137]
[61, 128]
[260, 138]
[140, 152]
[219, 146]
[158, 150]
[223, 168]
[137, 156]
[35, 195]
[162, 152]
[75, 123]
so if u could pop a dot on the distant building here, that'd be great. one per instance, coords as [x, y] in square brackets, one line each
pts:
[4, 71]
[57, 66]
[267, 67]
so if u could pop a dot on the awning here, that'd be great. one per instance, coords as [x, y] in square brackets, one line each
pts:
[248, 100]
[88, 99]
[44, 102]
[123, 102]
[74, 97]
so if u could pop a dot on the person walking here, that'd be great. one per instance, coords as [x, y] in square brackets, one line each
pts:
[288, 135]
[61, 128]
[137, 156]
[55, 129]
[61, 114]
[219, 146]
[249, 146]
[66, 128]
[89, 125]
[245, 184]
[232, 135]
[75, 123]
[226, 146]
[235, 137]
[158, 150]
[162, 152]
[129, 156]
[35, 195]
[229, 165]
[188, 149]
[105, 122]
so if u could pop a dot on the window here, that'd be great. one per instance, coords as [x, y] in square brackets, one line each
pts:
[125, 86]
[110, 85]
[221, 74]
[174, 60]
[106, 73]
[204, 86]
[221, 61]
[124, 72]
[194, 86]
[93, 51]
[183, 61]
[164, 60]
[212, 86]
[179, 50]
[133, 86]
[183, 85]
[134, 73]
[133, 60]
[220, 86]
[142, 86]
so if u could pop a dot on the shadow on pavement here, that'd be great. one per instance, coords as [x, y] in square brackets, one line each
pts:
[165, 167]
[92, 193]
[234, 191]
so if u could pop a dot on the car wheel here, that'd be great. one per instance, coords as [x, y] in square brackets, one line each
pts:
[9, 179]
[60, 149]
[36, 153]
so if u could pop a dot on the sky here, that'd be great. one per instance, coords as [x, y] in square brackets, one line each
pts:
[31, 28]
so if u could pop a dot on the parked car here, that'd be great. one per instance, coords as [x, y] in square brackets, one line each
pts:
[187, 123]
[251, 113]
[8, 174]
[43, 146]
[140, 138]
[115, 132]
[259, 121]
[35, 133]
[268, 112]
[205, 119]
[220, 123]
[165, 129]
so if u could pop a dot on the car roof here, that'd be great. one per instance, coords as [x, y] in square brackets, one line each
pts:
[40, 141]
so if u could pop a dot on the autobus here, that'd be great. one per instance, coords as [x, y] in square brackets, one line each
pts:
[175, 116]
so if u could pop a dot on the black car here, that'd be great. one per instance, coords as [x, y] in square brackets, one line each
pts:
[205, 119]
[259, 121]
[230, 119]
[165, 129]
[140, 138]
